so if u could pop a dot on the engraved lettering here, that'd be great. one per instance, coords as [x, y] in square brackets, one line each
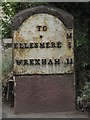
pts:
[42, 45]
[26, 45]
[44, 28]
[71, 61]
[57, 61]
[47, 45]
[67, 61]
[37, 61]
[31, 61]
[53, 45]
[21, 45]
[69, 35]
[31, 45]
[15, 45]
[43, 61]
[50, 62]
[58, 44]
[39, 28]
[36, 45]
[25, 62]
[19, 62]
[69, 44]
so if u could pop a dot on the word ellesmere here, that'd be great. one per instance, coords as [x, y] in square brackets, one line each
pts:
[37, 45]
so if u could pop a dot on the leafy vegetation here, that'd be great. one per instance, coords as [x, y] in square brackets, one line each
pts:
[81, 13]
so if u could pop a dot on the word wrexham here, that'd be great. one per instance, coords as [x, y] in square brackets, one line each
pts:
[68, 61]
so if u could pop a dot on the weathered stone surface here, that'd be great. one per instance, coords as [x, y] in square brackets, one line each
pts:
[64, 16]
[42, 46]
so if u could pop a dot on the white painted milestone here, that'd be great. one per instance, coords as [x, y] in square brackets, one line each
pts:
[43, 45]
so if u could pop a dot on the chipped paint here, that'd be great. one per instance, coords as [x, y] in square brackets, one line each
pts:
[56, 32]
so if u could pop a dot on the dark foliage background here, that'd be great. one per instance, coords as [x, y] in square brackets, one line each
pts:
[81, 13]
